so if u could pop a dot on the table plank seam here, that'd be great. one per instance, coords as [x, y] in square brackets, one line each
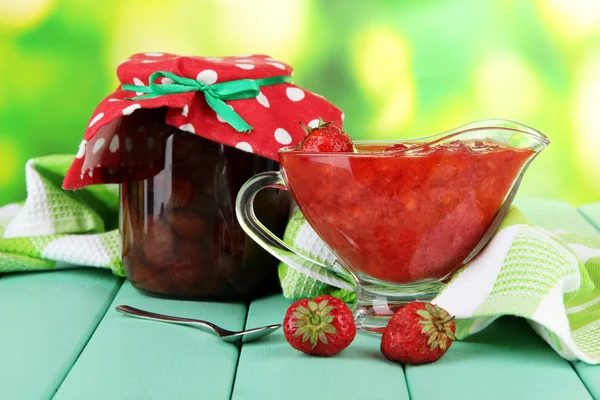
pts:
[410, 396]
[589, 390]
[98, 322]
[237, 362]
[588, 219]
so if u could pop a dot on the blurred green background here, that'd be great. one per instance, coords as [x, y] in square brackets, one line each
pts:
[398, 69]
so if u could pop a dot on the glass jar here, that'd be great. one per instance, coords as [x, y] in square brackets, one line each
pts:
[180, 235]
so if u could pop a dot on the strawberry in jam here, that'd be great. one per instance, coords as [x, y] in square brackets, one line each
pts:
[398, 147]
[326, 138]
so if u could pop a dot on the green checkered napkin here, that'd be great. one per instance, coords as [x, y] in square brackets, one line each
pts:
[550, 278]
[57, 229]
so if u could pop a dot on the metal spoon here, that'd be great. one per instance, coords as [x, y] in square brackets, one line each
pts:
[223, 334]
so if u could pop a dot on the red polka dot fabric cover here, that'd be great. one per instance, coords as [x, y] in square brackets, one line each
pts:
[116, 149]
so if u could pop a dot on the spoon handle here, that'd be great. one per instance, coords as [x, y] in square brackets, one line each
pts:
[204, 325]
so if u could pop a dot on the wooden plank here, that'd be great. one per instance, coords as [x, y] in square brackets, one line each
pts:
[592, 213]
[47, 319]
[590, 376]
[271, 369]
[129, 358]
[507, 360]
[555, 214]
[588, 373]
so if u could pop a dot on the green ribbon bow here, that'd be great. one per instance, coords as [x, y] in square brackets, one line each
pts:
[215, 94]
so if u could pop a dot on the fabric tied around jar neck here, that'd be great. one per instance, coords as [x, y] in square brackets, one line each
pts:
[249, 103]
[215, 94]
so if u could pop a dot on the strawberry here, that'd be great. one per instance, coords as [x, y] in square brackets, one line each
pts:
[396, 147]
[418, 333]
[322, 326]
[326, 137]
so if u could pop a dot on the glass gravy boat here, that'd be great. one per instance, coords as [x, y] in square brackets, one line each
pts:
[400, 221]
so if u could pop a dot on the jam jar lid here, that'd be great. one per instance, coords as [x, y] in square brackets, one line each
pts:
[248, 102]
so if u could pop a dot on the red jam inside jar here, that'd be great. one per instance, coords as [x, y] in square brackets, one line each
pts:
[180, 235]
[413, 214]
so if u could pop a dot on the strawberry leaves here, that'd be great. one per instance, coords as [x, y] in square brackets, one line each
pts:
[322, 326]
[435, 321]
[314, 322]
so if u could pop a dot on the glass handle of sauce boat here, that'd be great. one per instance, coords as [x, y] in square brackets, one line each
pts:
[333, 275]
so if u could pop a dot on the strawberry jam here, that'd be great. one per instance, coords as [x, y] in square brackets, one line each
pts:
[180, 238]
[410, 214]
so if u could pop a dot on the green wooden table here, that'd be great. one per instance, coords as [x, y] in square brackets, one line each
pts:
[60, 338]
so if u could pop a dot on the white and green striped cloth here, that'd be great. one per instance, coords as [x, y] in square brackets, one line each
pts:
[550, 278]
[57, 229]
